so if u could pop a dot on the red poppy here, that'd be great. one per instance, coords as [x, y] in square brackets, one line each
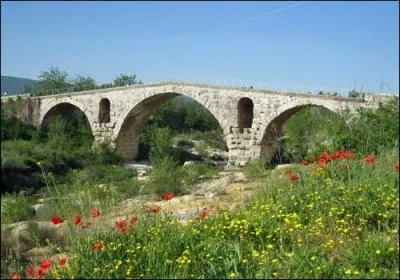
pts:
[16, 276]
[155, 210]
[122, 225]
[370, 159]
[323, 161]
[62, 262]
[168, 196]
[305, 163]
[56, 220]
[133, 220]
[46, 264]
[77, 220]
[397, 166]
[98, 246]
[41, 272]
[202, 215]
[30, 271]
[293, 177]
[95, 213]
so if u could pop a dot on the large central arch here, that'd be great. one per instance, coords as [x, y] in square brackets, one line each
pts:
[127, 141]
[275, 122]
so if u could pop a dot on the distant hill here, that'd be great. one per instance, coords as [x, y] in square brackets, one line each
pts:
[14, 85]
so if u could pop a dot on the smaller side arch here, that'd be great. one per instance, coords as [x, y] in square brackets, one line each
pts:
[245, 113]
[273, 124]
[104, 110]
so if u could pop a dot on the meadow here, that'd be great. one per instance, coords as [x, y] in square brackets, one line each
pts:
[332, 213]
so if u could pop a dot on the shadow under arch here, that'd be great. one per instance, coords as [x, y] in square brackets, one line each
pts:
[128, 138]
[274, 128]
[73, 116]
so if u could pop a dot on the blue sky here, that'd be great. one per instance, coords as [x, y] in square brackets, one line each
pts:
[302, 46]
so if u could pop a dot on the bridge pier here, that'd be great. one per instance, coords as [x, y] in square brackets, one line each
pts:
[242, 143]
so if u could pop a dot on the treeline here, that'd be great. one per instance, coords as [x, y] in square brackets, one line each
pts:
[56, 81]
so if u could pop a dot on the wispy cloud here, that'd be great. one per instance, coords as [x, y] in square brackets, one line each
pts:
[275, 11]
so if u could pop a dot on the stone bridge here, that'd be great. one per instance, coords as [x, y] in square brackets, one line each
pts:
[250, 119]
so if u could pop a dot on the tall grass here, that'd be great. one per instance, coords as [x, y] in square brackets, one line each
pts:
[329, 223]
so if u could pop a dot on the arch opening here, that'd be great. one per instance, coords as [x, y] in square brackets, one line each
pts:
[245, 113]
[176, 111]
[72, 122]
[104, 111]
[294, 133]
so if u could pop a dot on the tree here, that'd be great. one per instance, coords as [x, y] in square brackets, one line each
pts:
[123, 80]
[54, 78]
[84, 83]
[355, 94]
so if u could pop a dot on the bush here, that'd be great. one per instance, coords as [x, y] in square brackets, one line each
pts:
[108, 173]
[15, 208]
[166, 176]
[194, 172]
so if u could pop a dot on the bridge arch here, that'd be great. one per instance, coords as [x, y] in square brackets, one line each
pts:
[134, 119]
[245, 111]
[273, 124]
[65, 110]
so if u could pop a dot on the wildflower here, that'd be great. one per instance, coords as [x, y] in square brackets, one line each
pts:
[77, 220]
[397, 166]
[98, 246]
[95, 213]
[30, 271]
[202, 215]
[369, 159]
[41, 272]
[293, 177]
[62, 262]
[378, 252]
[133, 220]
[122, 226]
[46, 264]
[168, 196]
[16, 276]
[56, 220]
[305, 163]
[155, 210]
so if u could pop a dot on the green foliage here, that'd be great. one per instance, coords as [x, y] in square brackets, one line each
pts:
[306, 131]
[202, 149]
[123, 80]
[196, 172]
[82, 83]
[370, 130]
[161, 142]
[166, 176]
[255, 169]
[53, 78]
[108, 174]
[15, 208]
[320, 227]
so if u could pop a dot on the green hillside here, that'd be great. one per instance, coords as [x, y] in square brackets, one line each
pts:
[14, 85]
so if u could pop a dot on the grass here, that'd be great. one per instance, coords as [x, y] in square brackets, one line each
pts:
[328, 223]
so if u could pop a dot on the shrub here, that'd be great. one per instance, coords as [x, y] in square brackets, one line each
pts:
[194, 172]
[15, 208]
[166, 176]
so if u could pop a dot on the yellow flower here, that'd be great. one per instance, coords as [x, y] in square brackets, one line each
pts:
[378, 252]
[232, 275]
[313, 258]
[347, 272]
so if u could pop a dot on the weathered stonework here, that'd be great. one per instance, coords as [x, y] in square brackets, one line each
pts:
[130, 108]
